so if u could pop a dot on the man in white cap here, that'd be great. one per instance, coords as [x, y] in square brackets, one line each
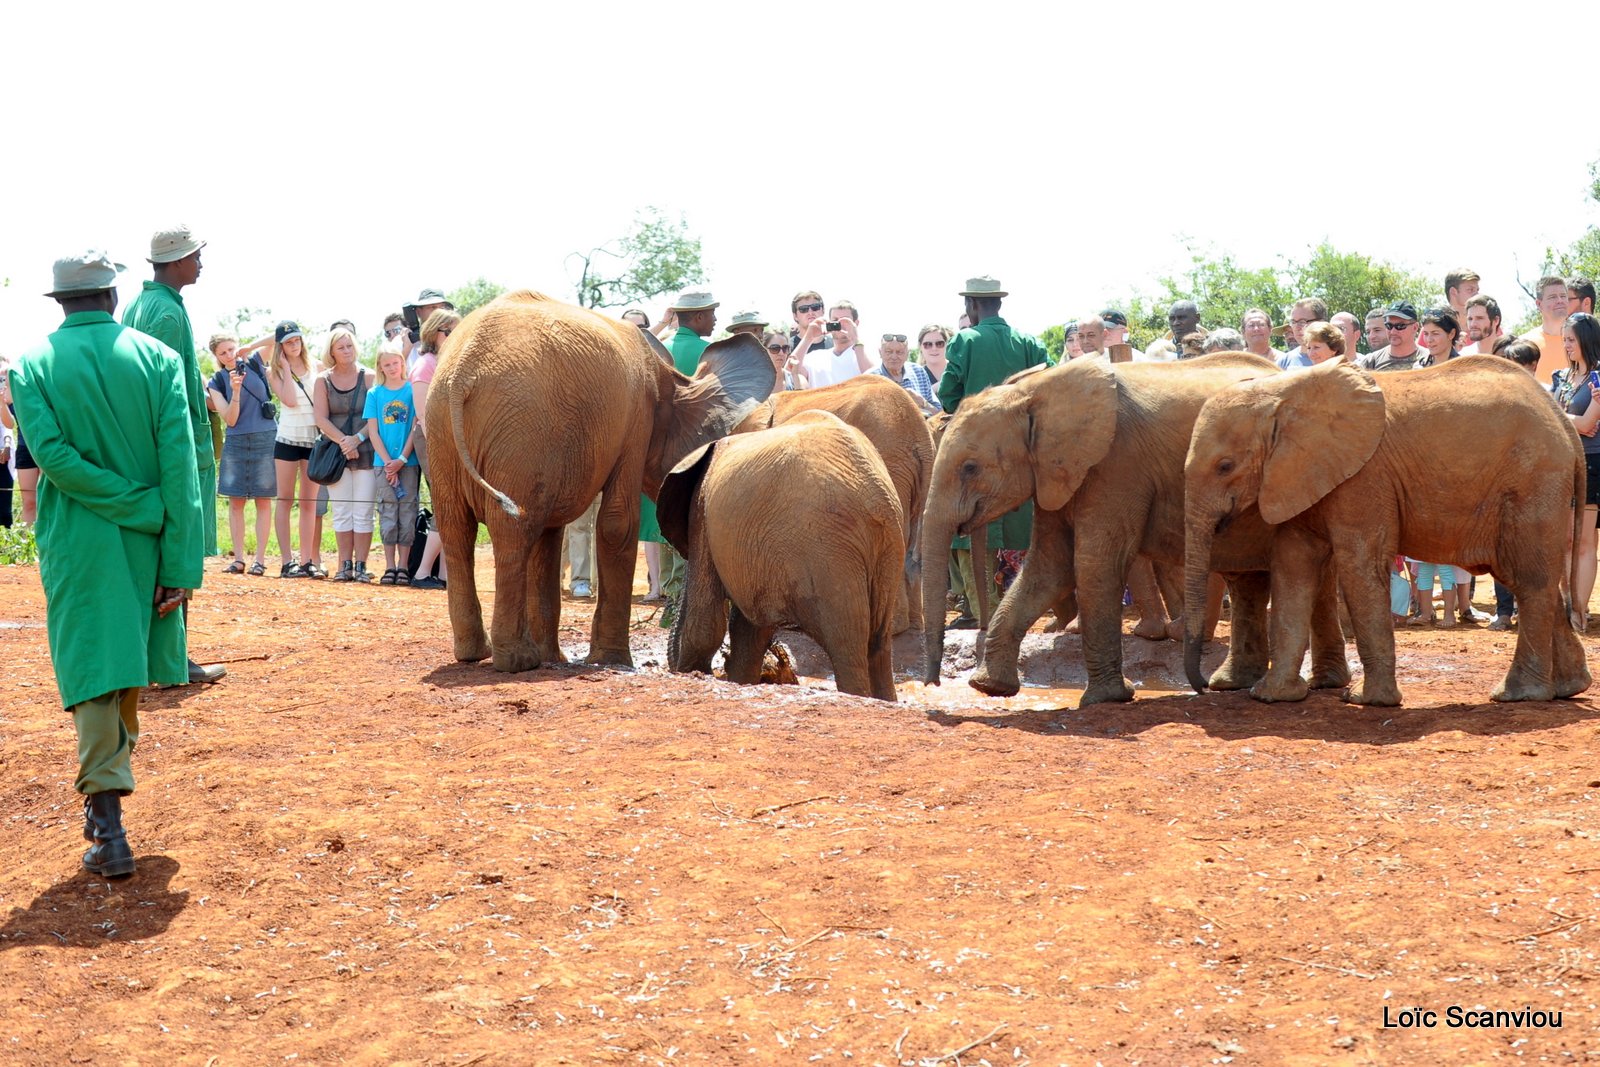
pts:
[119, 529]
[158, 311]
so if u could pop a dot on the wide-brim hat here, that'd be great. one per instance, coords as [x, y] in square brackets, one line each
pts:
[171, 245]
[984, 286]
[748, 318]
[429, 296]
[695, 302]
[90, 271]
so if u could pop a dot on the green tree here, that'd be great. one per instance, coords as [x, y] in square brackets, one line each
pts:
[474, 294]
[1222, 289]
[1054, 339]
[1348, 281]
[656, 256]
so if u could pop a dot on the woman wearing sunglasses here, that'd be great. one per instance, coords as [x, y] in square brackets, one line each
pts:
[931, 342]
[780, 349]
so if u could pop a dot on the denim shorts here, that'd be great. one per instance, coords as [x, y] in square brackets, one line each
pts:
[247, 469]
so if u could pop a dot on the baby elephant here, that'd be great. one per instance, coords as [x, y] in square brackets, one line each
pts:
[798, 526]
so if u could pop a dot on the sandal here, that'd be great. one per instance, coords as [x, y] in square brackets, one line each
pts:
[257, 569]
[388, 577]
[292, 570]
[236, 567]
[314, 570]
[401, 577]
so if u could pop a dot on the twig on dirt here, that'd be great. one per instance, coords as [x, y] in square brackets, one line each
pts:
[773, 921]
[770, 808]
[1546, 930]
[1364, 842]
[241, 659]
[1581, 870]
[955, 1054]
[897, 1042]
[1209, 919]
[626, 804]
[824, 932]
[212, 1062]
[291, 707]
[1328, 967]
[247, 888]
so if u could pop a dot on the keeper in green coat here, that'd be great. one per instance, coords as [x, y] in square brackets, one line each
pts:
[697, 318]
[106, 416]
[158, 311]
[986, 353]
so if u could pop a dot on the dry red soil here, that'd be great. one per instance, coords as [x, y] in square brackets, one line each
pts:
[355, 850]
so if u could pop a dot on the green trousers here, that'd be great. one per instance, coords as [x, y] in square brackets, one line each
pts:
[672, 569]
[969, 580]
[108, 728]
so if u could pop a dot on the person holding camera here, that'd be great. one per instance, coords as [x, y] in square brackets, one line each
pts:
[413, 316]
[845, 358]
[240, 394]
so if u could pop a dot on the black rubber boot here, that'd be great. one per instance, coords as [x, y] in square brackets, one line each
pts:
[110, 857]
[88, 821]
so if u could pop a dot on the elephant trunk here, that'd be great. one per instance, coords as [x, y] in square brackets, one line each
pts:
[935, 580]
[1196, 572]
[983, 560]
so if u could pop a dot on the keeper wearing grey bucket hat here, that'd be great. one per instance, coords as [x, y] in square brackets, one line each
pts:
[159, 311]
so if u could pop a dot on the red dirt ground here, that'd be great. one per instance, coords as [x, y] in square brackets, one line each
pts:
[355, 850]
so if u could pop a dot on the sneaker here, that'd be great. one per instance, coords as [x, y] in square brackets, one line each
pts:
[346, 573]
[963, 622]
[581, 589]
[427, 581]
[1501, 623]
[361, 572]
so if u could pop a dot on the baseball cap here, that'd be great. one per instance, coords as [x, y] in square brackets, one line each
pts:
[286, 329]
[1402, 309]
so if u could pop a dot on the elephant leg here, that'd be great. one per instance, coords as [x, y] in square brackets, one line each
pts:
[1246, 662]
[616, 557]
[1571, 665]
[1362, 563]
[1047, 573]
[902, 608]
[544, 596]
[1101, 561]
[1330, 669]
[510, 639]
[912, 587]
[847, 651]
[747, 646]
[880, 666]
[458, 529]
[1153, 621]
[1169, 583]
[702, 619]
[1297, 559]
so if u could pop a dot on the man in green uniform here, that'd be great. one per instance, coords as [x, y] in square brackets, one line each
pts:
[105, 413]
[697, 318]
[158, 311]
[985, 353]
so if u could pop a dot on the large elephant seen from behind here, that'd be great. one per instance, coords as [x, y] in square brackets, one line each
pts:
[1466, 463]
[540, 406]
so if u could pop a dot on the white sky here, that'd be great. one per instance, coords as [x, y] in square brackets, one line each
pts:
[338, 157]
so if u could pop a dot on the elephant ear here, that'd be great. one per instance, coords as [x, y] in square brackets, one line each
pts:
[734, 377]
[1327, 424]
[657, 347]
[677, 496]
[1071, 422]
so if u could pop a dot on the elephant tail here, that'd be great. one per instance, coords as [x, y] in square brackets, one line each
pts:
[458, 428]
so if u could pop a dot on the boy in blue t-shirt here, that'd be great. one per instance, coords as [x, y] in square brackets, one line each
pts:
[391, 427]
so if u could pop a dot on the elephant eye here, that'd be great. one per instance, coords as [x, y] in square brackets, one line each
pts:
[1225, 467]
[969, 468]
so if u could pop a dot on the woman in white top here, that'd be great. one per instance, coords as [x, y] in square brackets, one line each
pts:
[290, 375]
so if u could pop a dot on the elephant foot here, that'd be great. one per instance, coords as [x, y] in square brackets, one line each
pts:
[471, 651]
[1058, 625]
[999, 682]
[1522, 685]
[1332, 676]
[1374, 693]
[515, 659]
[1152, 629]
[1232, 675]
[1280, 690]
[610, 657]
[1571, 687]
[1175, 630]
[1118, 692]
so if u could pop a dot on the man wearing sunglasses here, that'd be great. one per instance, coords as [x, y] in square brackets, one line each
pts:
[1402, 352]
[806, 307]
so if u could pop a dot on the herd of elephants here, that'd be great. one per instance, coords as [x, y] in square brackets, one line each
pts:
[796, 509]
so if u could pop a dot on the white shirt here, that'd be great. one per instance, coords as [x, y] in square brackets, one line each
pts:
[824, 366]
[1474, 350]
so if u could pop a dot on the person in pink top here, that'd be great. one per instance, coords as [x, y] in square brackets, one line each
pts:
[435, 332]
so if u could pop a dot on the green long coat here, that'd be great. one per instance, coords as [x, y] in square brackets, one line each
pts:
[978, 357]
[106, 417]
[159, 311]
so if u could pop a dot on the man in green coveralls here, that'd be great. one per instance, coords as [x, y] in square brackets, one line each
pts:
[697, 318]
[106, 416]
[158, 311]
[985, 353]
